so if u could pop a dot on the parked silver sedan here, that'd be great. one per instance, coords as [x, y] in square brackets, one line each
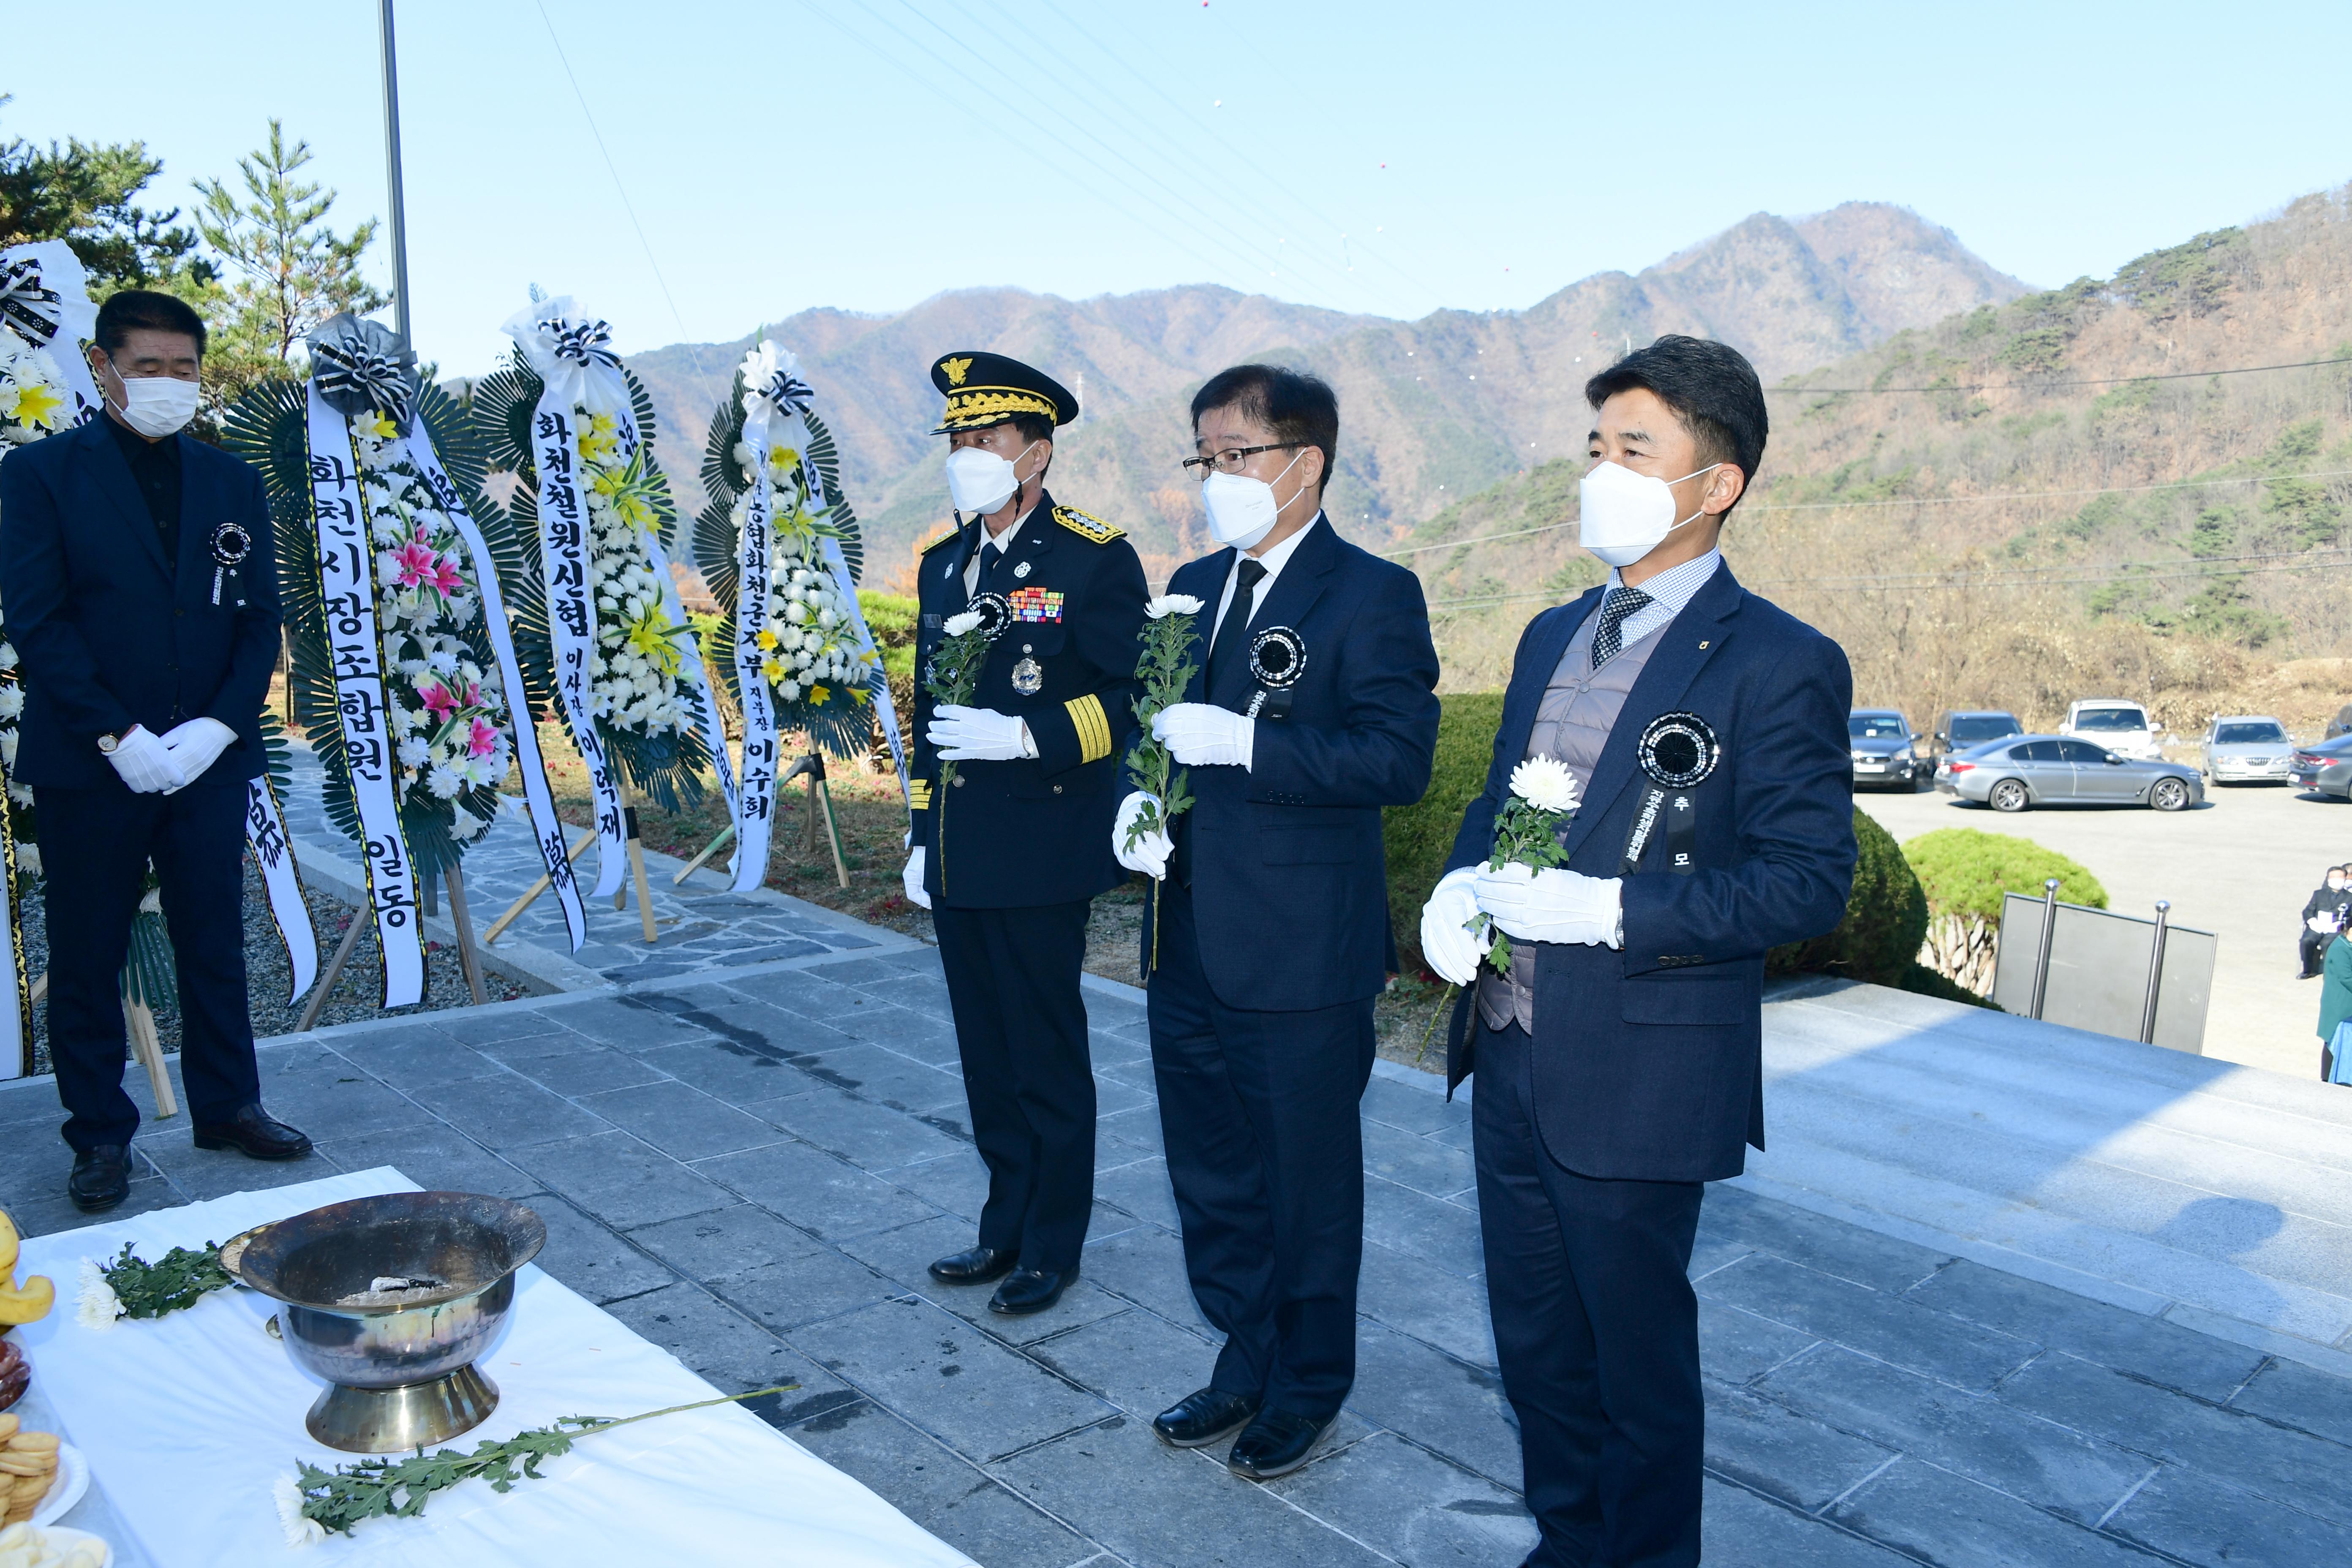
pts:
[2247, 748]
[2062, 769]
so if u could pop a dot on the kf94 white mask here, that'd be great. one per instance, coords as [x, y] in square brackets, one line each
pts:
[158, 406]
[1623, 515]
[1243, 510]
[980, 482]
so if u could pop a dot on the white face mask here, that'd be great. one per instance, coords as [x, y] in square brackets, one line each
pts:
[1623, 515]
[157, 405]
[1243, 510]
[980, 482]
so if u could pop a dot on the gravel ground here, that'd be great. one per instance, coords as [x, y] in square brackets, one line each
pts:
[266, 976]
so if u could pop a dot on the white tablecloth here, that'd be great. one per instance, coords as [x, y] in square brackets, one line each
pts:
[189, 1420]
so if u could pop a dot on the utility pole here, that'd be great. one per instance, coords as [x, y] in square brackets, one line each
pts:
[391, 174]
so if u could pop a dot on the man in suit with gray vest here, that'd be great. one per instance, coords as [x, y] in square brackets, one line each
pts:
[1621, 1053]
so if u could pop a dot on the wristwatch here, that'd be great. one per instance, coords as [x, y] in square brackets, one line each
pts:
[106, 743]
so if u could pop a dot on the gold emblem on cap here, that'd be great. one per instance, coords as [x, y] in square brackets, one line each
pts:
[956, 369]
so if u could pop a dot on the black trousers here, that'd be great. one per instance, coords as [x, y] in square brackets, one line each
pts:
[1020, 1030]
[1266, 1150]
[1596, 1329]
[2312, 948]
[95, 846]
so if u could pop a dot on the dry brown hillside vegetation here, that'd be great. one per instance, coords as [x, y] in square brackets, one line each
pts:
[2085, 492]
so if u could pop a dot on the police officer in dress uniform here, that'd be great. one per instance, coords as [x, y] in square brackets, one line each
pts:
[1620, 1055]
[1312, 707]
[144, 683]
[1009, 853]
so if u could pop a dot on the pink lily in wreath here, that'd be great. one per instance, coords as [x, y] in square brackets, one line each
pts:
[439, 702]
[421, 566]
[483, 740]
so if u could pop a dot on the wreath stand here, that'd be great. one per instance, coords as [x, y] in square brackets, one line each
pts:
[621, 897]
[469, 960]
[146, 1046]
[820, 801]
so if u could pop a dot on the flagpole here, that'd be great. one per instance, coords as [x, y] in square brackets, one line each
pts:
[391, 171]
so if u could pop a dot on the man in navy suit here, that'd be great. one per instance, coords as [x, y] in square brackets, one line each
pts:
[1620, 1055]
[1313, 708]
[146, 655]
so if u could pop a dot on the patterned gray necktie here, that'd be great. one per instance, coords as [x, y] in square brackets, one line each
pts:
[1610, 636]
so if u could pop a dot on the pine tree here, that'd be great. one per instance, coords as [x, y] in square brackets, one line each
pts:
[84, 193]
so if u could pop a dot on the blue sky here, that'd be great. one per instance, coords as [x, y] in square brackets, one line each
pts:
[1373, 156]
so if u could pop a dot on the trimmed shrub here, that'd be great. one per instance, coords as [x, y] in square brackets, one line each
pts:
[1886, 919]
[1965, 874]
[1418, 837]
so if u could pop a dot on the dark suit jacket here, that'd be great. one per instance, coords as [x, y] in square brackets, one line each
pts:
[107, 633]
[1649, 1061]
[1289, 882]
[1036, 830]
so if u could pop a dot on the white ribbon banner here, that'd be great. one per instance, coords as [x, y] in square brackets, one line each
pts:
[714, 730]
[273, 856]
[347, 589]
[538, 799]
[30, 276]
[572, 617]
[879, 682]
[755, 816]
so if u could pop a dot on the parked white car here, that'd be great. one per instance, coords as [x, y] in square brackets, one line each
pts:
[2247, 748]
[2118, 723]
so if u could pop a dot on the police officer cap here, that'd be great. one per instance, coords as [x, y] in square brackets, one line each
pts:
[985, 389]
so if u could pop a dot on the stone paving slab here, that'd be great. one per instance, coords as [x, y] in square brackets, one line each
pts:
[753, 1168]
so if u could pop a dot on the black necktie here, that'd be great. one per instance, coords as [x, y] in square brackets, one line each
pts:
[1235, 631]
[1609, 638]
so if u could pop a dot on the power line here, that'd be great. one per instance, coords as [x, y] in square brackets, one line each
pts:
[627, 205]
[2045, 385]
[1914, 500]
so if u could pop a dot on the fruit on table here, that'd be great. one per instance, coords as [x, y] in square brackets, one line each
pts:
[27, 1304]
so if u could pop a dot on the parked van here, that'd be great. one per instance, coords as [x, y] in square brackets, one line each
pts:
[2117, 724]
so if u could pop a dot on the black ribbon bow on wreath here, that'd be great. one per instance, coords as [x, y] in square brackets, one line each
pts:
[361, 368]
[789, 393]
[582, 344]
[32, 310]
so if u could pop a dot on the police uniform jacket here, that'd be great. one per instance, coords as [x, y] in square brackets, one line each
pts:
[1649, 1061]
[1009, 835]
[108, 632]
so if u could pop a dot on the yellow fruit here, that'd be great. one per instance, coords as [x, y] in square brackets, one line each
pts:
[29, 1304]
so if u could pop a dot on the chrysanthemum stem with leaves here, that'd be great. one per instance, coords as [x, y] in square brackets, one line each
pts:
[1527, 833]
[1166, 671]
[956, 664]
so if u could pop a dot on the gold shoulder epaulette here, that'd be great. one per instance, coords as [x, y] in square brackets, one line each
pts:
[1087, 526]
[939, 539]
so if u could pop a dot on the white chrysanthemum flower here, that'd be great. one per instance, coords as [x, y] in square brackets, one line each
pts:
[12, 700]
[301, 1529]
[1168, 605]
[28, 856]
[1545, 784]
[957, 624]
[414, 753]
[99, 1306]
[445, 785]
[7, 656]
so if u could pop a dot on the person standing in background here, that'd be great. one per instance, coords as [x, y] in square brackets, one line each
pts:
[2322, 918]
[141, 728]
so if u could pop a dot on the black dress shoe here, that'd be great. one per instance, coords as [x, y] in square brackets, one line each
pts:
[1202, 1416]
[100, 1179]
[1275, 1443]
[252, 1133]
[1027, 1290]
[973, 1265]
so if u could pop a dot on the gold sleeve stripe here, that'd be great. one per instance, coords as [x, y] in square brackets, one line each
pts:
[1093, 727]
[918, 794]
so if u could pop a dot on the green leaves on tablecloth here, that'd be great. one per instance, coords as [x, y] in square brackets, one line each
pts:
[129, 1287]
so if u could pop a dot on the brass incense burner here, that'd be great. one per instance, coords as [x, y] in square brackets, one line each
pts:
[390, 1299]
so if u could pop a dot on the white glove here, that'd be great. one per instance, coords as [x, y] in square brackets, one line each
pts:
[1150, 853]
[146, 764]
[1552, 905]
[1447, 942]
[1203, 735]
[979, 735]
[912, 880]
[198, 745]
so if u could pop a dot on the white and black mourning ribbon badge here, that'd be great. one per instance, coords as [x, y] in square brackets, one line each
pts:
[1677, 751]
[1277, 658]
[230, 545]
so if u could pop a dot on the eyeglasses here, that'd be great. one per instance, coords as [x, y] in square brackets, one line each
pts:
[1230, 460]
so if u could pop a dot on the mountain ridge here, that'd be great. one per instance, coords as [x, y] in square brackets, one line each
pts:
[1420, 428]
